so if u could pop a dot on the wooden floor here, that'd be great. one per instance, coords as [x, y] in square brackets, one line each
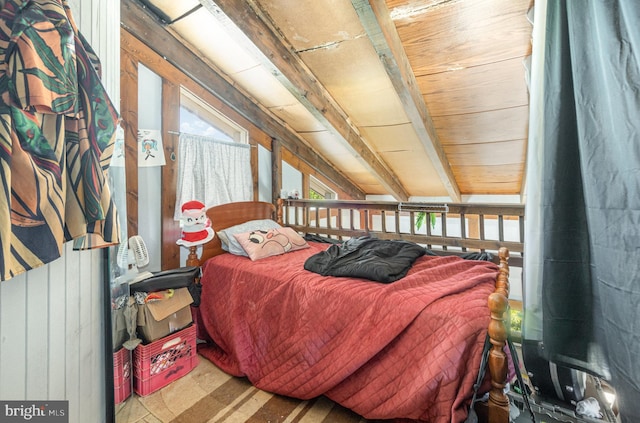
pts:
[207, 394]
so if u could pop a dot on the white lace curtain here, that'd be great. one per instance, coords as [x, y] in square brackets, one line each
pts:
[212, 171]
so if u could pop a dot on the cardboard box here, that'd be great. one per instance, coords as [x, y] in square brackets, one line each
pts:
[160, 318]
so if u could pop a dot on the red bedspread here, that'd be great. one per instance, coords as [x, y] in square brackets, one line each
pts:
[410, 349]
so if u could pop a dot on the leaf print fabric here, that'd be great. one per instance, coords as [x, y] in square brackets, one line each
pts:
[57, 129]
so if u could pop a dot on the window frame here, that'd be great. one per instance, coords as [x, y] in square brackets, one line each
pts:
[210, 115]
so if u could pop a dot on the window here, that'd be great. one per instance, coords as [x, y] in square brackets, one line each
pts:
[214, 157]
[320, 191]
[198, 118]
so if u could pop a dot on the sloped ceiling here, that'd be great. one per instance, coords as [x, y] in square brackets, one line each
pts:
[408, 98]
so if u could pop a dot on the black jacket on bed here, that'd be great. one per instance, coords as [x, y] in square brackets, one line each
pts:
[365, 257]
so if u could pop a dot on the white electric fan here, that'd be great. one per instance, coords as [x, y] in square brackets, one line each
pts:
[133, 255]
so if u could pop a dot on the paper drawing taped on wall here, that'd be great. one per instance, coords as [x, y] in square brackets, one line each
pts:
[150, 150]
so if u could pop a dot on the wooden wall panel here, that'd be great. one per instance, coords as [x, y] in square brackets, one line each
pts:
[471, 91]
[499, 179]
[129, 115]
[170, 124]
[468, 61]
[443, 36]
[473, 128]
[488, 154]
[276, 168]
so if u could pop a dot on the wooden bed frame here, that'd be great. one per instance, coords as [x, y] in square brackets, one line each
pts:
[496, 410]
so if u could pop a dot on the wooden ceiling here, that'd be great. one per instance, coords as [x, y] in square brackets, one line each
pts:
[416, 99]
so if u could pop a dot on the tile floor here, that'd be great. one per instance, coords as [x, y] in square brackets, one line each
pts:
[207, 394]
[168, 403]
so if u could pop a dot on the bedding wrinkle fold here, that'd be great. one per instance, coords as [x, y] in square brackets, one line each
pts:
[408, 349]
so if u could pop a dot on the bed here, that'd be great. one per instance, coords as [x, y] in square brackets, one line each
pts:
[406, 350]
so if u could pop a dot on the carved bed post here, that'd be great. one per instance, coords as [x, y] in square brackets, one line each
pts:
[192, 258]
[498, 406]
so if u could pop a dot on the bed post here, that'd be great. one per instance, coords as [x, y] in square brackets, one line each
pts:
[498, 406]
[192, 258]
[279, 207]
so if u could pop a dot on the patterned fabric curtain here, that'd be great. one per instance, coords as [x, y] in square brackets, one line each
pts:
[213, 172]
[57, 128]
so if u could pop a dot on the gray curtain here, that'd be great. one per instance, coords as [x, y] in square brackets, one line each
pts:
[590, 193]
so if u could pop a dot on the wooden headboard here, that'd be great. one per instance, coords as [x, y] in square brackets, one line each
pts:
[230, 214]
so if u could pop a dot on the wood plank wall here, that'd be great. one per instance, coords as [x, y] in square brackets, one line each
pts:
[144, 41]
[135, 52]
[51, 326]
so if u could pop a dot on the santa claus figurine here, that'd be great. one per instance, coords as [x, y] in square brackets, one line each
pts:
[196, 226]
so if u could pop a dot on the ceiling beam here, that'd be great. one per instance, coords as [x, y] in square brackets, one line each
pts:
[274, 52]
[145, 26]
[375, 18]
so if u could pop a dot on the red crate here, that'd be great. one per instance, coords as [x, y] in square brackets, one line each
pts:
[161, 362]
[122, 375]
